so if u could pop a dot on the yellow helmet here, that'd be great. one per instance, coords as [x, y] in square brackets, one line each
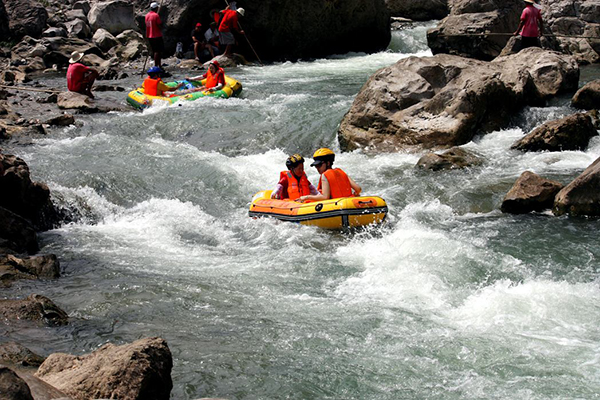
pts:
[322, 155]
[323, 151]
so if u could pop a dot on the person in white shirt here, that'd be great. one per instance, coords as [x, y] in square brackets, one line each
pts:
[212, 38]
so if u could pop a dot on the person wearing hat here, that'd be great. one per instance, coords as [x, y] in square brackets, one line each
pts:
[333, 183]
[293, 183]
[531, 26]
[230, 24]
[215, 77]
[154, 34]
[80, 78]
[154, 86]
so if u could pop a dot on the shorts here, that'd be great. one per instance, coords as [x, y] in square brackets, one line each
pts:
[529, 42]
[156, 45]
[226, 38]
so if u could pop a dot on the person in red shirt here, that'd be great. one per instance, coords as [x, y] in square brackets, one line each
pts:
[154, 34]
[215, 78]
[80, 78]
[531, 26]
[229, 24]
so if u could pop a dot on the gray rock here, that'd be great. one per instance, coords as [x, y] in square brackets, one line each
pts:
[140, 370]
[104, 39]
[530, 193]
[12, 387]
[129, 36]
[35, 308]
[26, 18]
[77, 101]
[115, 16]
[582, 196]
[443, 101]
[82, 5]
[588, 97]
[454, 158]
[60, 49]
[78, 28]
[16, 354]
[76, 14]
[61, 120]
[569, 133]
[55, 32]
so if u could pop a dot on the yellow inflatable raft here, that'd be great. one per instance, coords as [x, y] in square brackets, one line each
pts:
[140, 100]
[342, 213]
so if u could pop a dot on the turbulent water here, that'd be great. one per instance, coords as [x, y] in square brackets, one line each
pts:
[451, 299]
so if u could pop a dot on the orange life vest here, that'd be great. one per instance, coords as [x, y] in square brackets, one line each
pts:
[339, 183]
[295, 189]
[151, 86]
[213, 80]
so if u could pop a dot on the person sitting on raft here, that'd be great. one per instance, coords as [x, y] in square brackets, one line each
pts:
[215, 78]
[154, 86]
[293, 183]
[333, 183]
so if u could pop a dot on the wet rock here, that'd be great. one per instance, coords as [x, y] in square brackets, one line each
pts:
[61, 120]
[530, 193]
[418, 10]
[588, 97]
[104, 39]
[12, 387]
[30, 200]
[13, 268]
[77, 101]
[108, 88]
[26, 17]
[140, 370]
[53, 98]
[454, 158]
[443, 101]
[569, 133]
[582, 196]
[114, 16]
[35, 308]
[14, 353]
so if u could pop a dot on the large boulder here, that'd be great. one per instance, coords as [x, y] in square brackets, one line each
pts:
[418, 10]
[588, 97]
[12, 387]
[140, 370]
[572, 132]
[104, 39]
[115, 16]
[462, 32]
[4, 27]
[26, 17]
[582, 196]
[16, 233]
[530, 193]
[78, 28]
[59, 49]
[35, 308]
[443, 101]
[76, 101]
[28, 199]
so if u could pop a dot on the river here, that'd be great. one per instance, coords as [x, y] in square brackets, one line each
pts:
[451, 299]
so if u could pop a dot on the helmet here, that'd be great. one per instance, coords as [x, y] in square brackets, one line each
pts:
[293, 161]
[322, 155]
[154, 70]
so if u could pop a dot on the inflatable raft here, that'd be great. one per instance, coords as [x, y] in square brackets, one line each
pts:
[342, 213]
[139, 100]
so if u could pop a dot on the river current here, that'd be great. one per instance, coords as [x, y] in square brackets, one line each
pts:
[451, 299]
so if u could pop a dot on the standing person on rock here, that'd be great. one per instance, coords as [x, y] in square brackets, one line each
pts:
[531, 26]
[80, 78]
[154, 34]
[229, 24]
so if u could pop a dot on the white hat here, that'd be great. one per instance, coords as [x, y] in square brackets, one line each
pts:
[75, 56]
[529, 1]
[153, 5]
[241, 11]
